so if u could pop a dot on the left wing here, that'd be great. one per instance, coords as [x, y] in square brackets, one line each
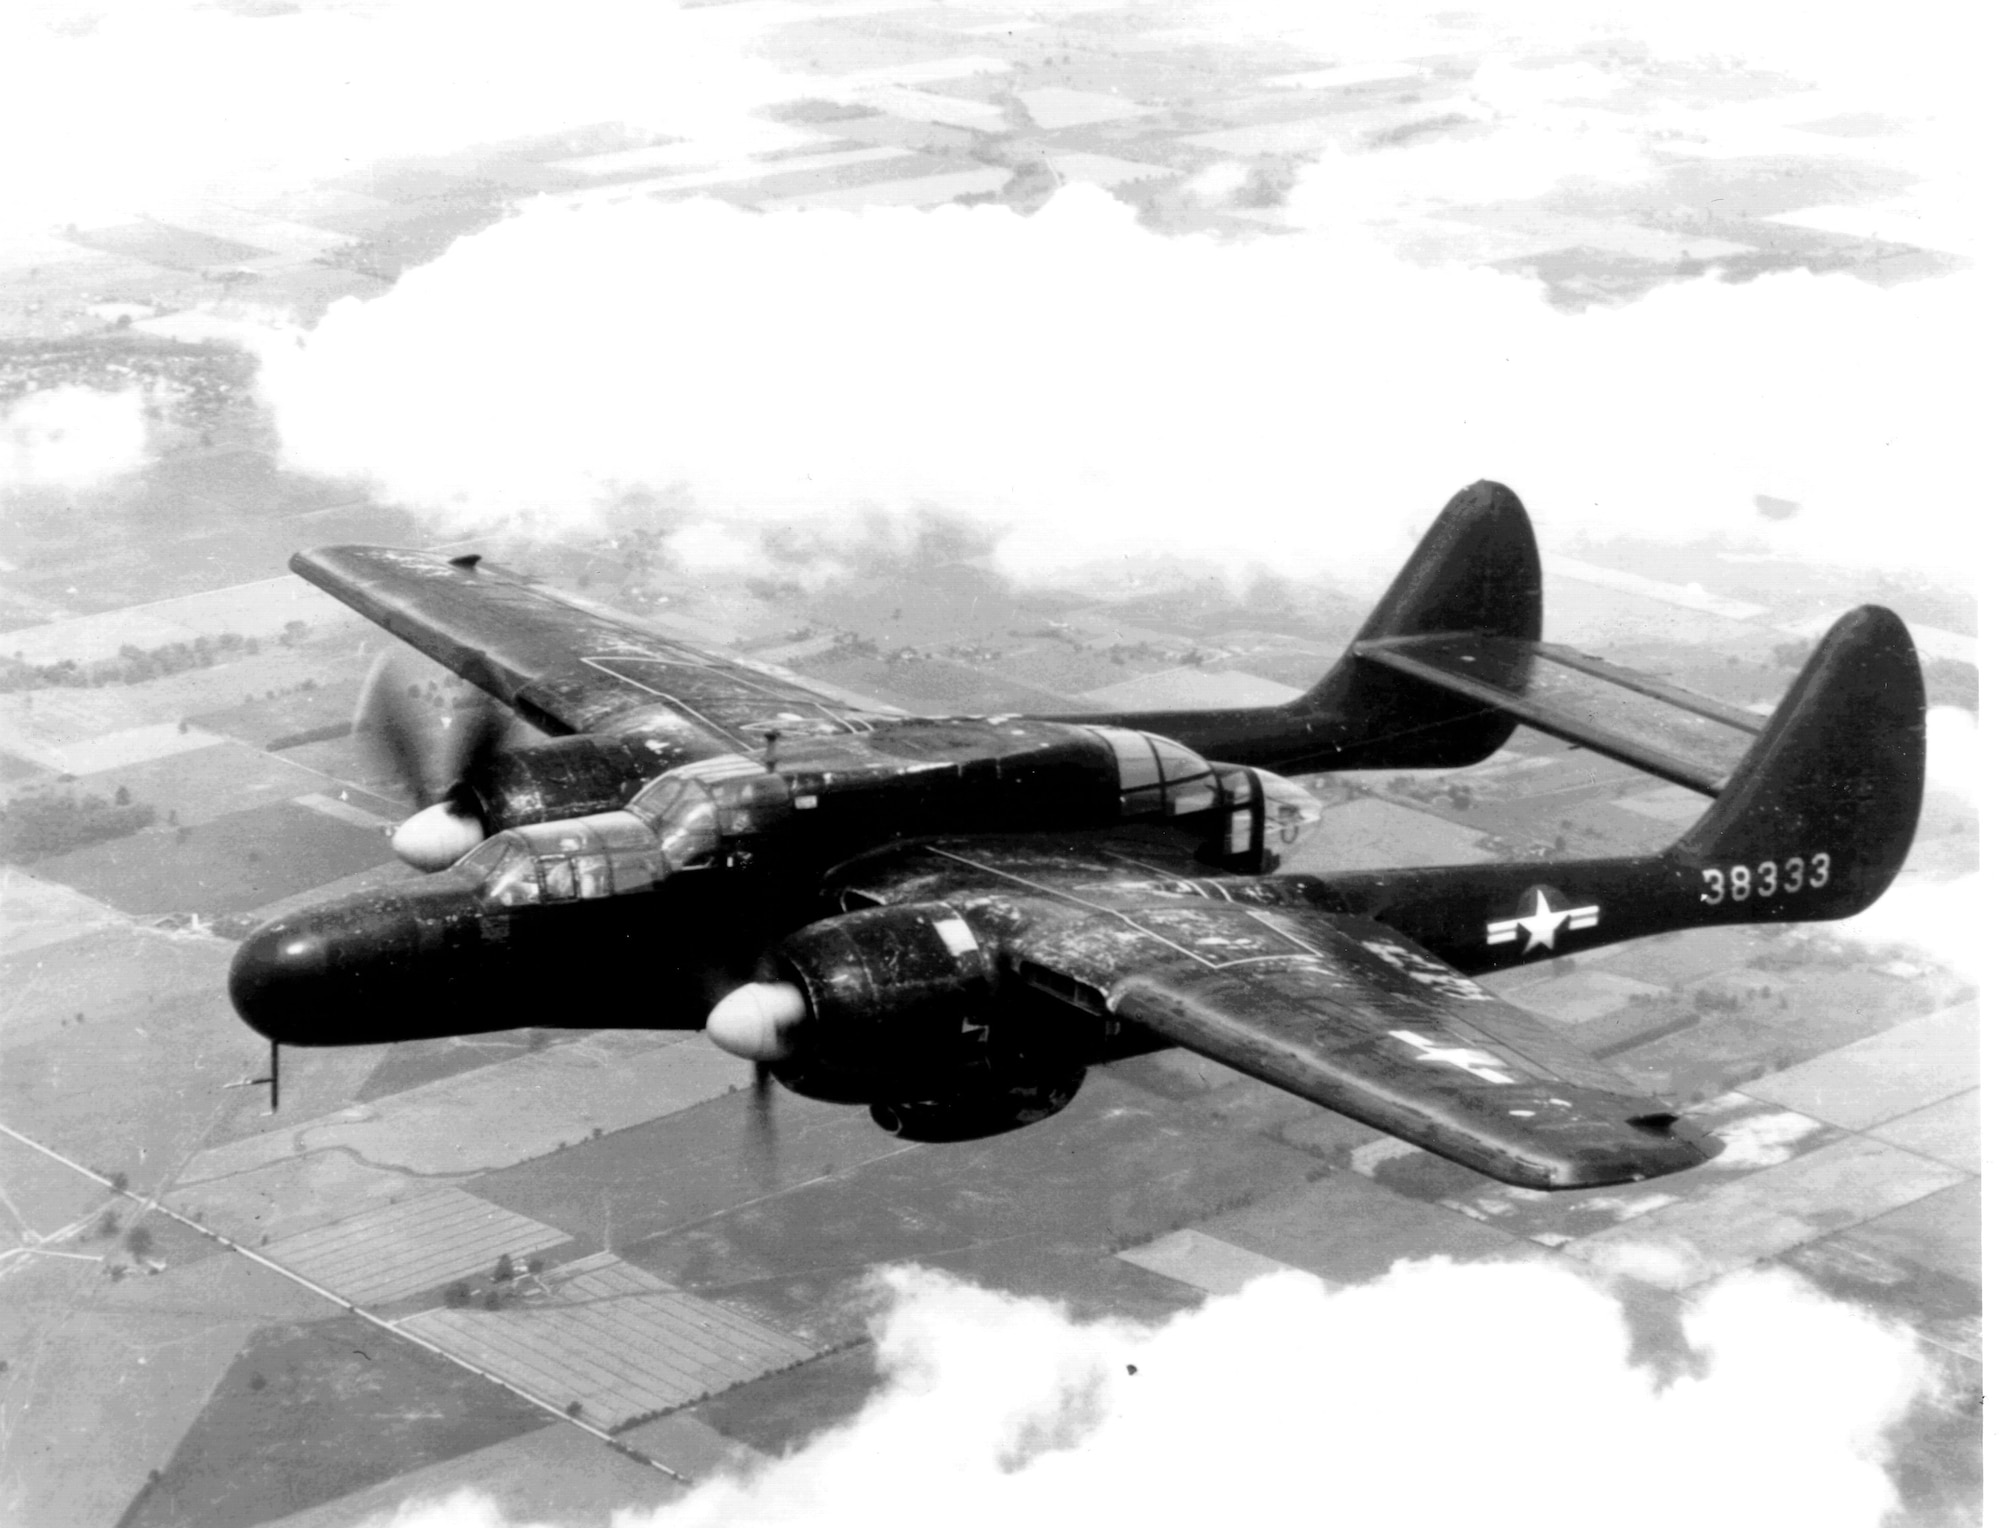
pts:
[1348, 1013]
[564, 668]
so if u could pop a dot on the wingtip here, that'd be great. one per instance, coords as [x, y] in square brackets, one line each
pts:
[313, 559]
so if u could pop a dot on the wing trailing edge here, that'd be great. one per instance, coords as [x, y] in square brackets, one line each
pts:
[1468, 1100]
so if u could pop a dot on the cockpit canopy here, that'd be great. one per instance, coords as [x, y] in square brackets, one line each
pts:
[676, 823]
[575, 859]
[1158, 776]
[682, 816]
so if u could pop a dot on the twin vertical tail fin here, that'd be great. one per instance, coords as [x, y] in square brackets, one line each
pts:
[1816, 819]
[1815, 807]
[1476, 573]
[1813, 812]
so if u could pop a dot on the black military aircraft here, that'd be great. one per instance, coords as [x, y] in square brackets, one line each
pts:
[951, 918]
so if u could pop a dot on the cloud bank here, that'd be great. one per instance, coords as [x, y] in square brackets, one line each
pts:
[1443, 1393]
[1302, 403]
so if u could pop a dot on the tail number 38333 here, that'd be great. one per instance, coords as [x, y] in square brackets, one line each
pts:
[1739, 883]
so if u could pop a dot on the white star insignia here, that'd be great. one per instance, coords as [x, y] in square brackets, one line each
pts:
[1541, 925]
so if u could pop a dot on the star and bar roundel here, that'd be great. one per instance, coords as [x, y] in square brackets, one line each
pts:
[1541, 914]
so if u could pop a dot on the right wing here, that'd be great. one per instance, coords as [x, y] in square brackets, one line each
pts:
[567, 669]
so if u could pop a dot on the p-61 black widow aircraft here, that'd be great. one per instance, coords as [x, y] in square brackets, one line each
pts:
[950, 919]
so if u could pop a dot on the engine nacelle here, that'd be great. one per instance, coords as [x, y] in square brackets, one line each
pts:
[892, 985]
[902, 1015]
[565, 777]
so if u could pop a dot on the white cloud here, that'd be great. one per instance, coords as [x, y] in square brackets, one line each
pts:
[1443, 1393]
[709, 546]
[1935, 913]
[1303, 402]
[1945, 919]
[71, 437]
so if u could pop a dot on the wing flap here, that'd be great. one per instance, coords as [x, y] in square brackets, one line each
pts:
[563, 667]
[1645, 722]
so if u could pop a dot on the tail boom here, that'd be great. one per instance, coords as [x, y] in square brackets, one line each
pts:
[1813, 825]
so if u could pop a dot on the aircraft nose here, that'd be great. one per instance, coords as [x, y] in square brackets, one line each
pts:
[394, 963]
[277, 977]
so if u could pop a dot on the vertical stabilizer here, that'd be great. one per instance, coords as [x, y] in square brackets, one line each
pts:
[1816, 820]
[1477, 571]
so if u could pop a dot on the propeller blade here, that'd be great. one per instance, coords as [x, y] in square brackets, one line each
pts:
[472, 736]
[433, 758]
[763, 1131]
[393, 729]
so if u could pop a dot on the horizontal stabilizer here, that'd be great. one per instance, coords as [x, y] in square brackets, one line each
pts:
[1632, 717]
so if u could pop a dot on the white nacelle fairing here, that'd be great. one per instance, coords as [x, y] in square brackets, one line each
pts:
[436, 838]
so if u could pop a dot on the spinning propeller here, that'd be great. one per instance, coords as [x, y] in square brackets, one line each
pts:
[434, 758]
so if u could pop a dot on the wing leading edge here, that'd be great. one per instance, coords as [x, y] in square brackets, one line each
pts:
[565, 668]
[1350, 1014]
